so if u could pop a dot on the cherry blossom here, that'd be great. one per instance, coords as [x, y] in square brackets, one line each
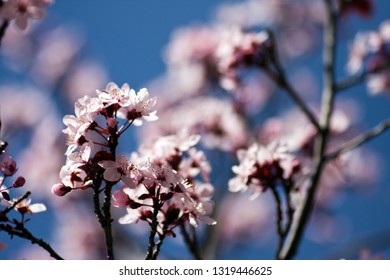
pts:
[240, 50]
[263, 167]
[370, 52]
[25, 206]
[141, 106]
[22, 10]
[163, 175]
[120, 169]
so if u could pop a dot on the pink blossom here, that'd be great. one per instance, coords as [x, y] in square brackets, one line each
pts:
[140, 106]
[25, 206]
[239, 50]
[263, 167]
[296, 20]
[115, 95]
[370, 52]
[79, 126]
[22, 10]
[120, 169]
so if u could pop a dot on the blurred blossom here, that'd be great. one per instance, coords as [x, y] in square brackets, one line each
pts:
[370, 52]
[22, 10]
[191, 45]
[296, 23]
[264, 167]
[190, 57]
[243, 220]
[46, 144]
[26, 106]
[328, 229]
[215, 119]
[238, 50]
[83, 79]
[59, 48]
[76, 236]
[18, 48]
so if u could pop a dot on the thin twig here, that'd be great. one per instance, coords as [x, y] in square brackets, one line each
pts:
[8, 209]
[191, 243]
[279, 218]
[360, 139]
[108, 220]
[3, 28]
[22, 232]
[153, 230]
[354, 80]
[302, 213]
[160, 242]
[281, 80]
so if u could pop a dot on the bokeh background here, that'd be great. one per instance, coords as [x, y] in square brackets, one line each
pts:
[81, 45]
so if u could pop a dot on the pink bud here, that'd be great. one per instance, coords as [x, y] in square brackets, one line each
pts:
[19, 182]
[60, 189]
[8, 166]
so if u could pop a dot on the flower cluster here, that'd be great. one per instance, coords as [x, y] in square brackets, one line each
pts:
[94, 130]
[370, 53]
[263, 167]
[8, 168]
[238, 49]
[170, 179]
[221, 127]
[22, 10]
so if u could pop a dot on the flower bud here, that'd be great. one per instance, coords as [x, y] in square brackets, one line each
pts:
[19, 182]
[60, 189]
[8, 166]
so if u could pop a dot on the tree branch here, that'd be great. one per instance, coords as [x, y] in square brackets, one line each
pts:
[360, 139]
[3, 28]
[303, 211]
[354, 80]
[281, 80]
[22, 232]
[190, 242]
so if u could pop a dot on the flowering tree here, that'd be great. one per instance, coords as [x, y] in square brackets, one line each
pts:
[210, 134]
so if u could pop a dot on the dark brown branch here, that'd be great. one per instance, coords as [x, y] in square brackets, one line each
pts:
[153, 230]
[3, 28]
[8, 209]
[22, 232]
[107, 227]
[279, 218]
